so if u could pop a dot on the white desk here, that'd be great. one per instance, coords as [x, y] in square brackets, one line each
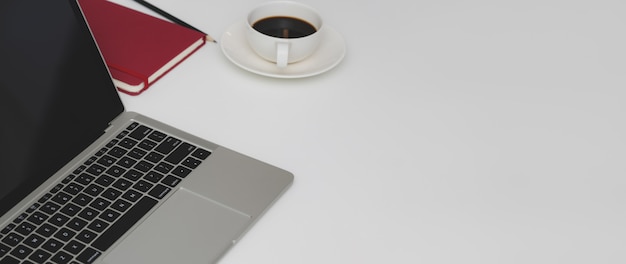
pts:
[454, 131]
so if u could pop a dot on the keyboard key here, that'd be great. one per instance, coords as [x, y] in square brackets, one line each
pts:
[45, 198]
[21, 252]
[10, 260]
[126, 162]
[143, 186]
[191, 162]
[82, 199]
[112, 143]
[91, 160]
[86, 236]
[132, 195]
[100, 204]
[25, 228]
[121, 205]
[74, 247]
[7, 229]
[153, 177]
[85, 179]
[154, 157]
[4, 249]
[73, 188]
[56, 188]
[181, 171]
[105, 180]
[122, 184]
[122, 134]
[157, 136]
[117, 152]
[104, 150]
[164, 167]
[65, 234]
[133, 175]
[140, 132]
[159, 191]
[34, 241]
[59, 220]
[143, 166]
[62, 198]
[111, 194]
[79, 170]
[37, 218]
[120, 227]
[32, 208]
[40, 256]
[106, 161]
[127, 143]
[20, 218]
[52, 245]
[94, 190]
[147, 144]
[180, 153]
[201, 153]
[88, 214]
[168, 145]
[71, 209]
[137, 153]
[88, 256]
[116, 171]
[98, 226]
[96, 169]
[77, 224]
[132, 126]
[46, 230]
[61, 257]
[109, 215]
[171, 181]
[50, 208]
[12, 239]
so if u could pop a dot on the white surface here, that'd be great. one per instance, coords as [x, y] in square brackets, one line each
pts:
[453, 132]
[328, 55]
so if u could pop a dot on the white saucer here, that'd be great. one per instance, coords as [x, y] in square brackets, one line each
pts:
[330, 52]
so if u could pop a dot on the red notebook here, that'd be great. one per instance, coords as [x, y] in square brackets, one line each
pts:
[138, 48]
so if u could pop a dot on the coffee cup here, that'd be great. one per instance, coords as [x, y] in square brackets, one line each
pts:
[284, 32]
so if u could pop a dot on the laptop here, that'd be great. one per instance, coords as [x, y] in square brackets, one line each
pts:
[84, 181]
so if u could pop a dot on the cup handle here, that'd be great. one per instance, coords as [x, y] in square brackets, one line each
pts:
[282, 54]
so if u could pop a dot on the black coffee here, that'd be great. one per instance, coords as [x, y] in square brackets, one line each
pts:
[284, 27]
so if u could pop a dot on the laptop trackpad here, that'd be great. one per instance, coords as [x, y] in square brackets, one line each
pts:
[186, 227]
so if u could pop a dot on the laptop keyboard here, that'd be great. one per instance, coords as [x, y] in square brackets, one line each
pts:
[85, 214]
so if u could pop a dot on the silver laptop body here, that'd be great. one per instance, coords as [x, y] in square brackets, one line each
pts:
[177, 198]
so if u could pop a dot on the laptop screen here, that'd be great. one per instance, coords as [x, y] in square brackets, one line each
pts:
[56, 95]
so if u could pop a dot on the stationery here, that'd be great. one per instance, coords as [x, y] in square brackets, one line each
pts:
[172, 18]
[138, 48]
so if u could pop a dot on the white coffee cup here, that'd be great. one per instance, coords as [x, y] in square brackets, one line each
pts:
[280, 35]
